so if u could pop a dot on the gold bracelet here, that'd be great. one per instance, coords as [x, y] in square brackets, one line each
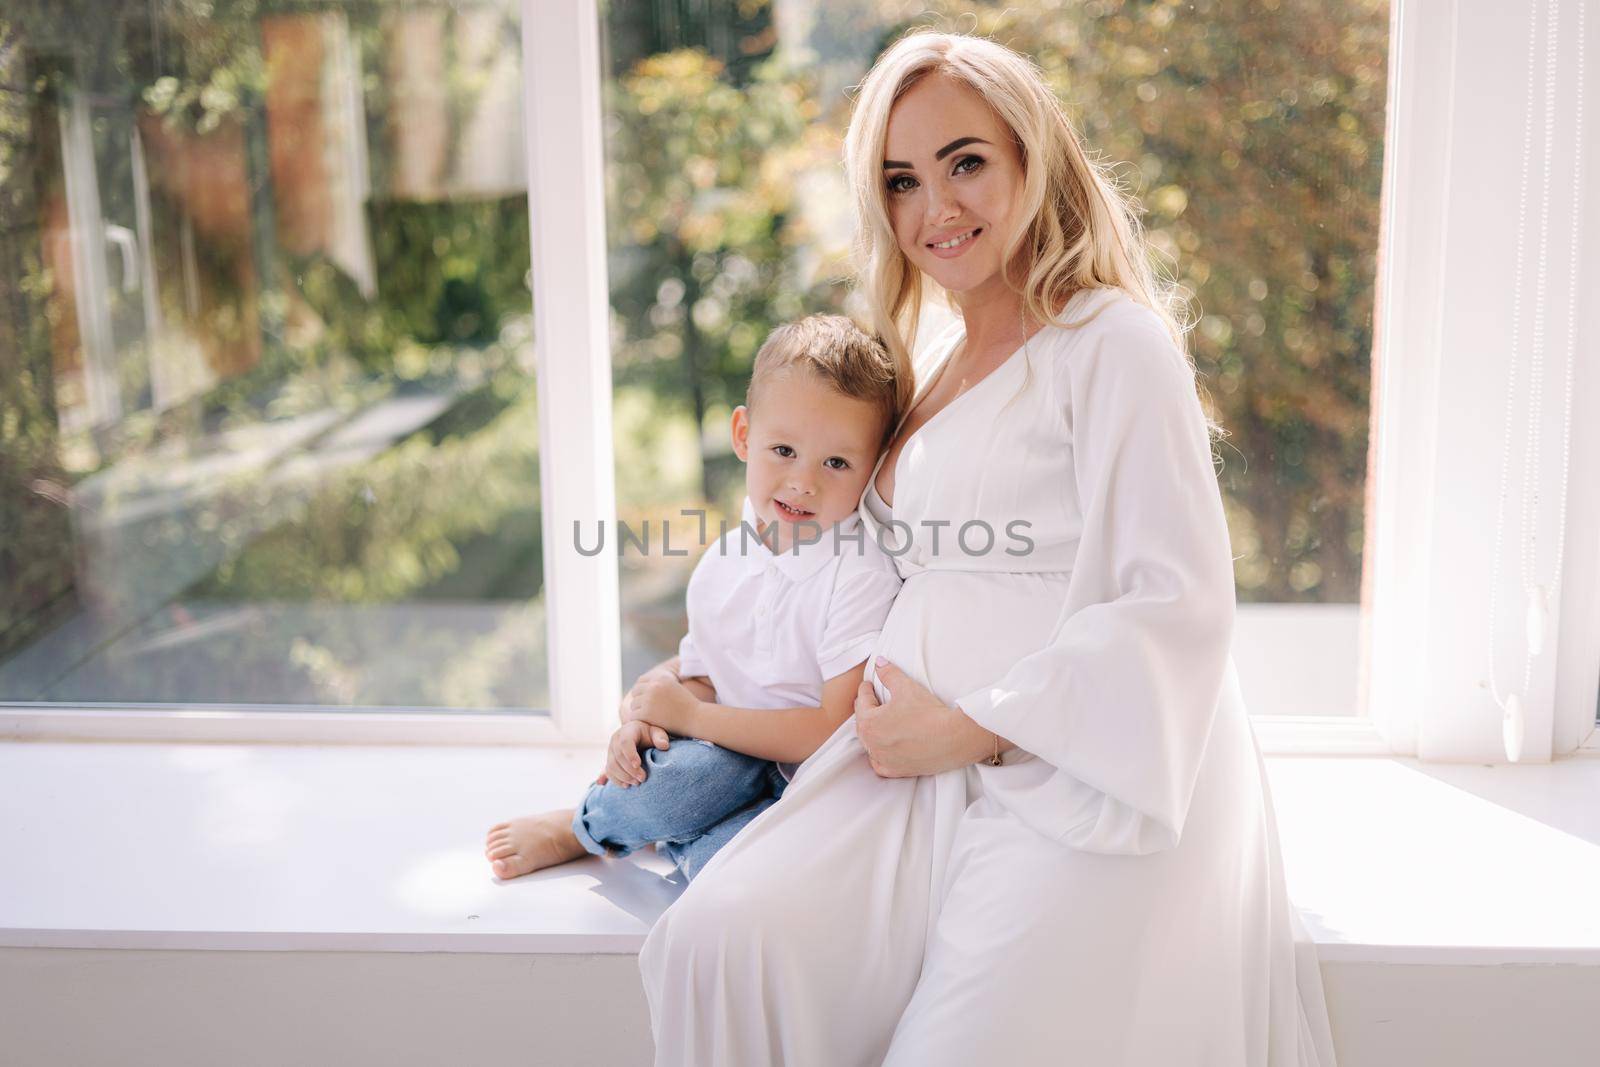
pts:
[995, 760]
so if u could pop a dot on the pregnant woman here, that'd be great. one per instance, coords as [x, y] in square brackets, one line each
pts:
[1045, 837]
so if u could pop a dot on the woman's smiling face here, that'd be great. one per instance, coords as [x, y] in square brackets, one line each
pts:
[952, 175]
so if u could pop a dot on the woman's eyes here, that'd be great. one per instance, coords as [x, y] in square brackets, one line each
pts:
[895, 187]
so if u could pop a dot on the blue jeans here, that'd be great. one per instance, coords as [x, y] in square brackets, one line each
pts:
[694, 798]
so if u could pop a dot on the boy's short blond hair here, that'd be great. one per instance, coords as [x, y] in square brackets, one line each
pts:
[832, 347]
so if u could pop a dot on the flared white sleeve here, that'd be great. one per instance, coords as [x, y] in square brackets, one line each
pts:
[1120, 701]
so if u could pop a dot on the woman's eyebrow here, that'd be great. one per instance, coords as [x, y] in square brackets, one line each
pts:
[959, 142]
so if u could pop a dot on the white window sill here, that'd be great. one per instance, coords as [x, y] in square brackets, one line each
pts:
[1391, 860]
[379, 848]
[301, 847]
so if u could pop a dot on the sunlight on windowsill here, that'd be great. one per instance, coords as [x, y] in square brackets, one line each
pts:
[375, 848]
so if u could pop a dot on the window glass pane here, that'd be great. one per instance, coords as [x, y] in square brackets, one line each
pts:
[268, 407]
[1253, 137]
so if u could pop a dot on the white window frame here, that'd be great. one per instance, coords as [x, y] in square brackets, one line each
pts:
[1448, 65]
[1459, 76]
[561, 106]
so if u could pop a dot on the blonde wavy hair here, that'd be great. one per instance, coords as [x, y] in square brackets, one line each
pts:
[1082, 233]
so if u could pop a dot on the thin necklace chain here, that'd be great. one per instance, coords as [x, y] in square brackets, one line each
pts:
[1533, 443]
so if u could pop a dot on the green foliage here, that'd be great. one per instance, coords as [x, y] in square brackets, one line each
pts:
[447, 271]
[699, 189]
[393, 526]
[445, 511]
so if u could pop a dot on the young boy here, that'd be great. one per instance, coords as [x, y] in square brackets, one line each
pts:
[783, 612]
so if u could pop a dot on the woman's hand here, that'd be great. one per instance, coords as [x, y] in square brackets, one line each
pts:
[623, 764]
[915, 732]
[658, 697]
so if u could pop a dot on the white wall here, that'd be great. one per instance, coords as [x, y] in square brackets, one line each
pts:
[135, 1007]
[131, 1008]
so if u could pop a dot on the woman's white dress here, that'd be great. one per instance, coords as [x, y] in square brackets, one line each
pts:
[1114, 893]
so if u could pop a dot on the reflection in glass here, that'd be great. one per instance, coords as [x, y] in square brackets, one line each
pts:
[1254, 143]
[268, 410]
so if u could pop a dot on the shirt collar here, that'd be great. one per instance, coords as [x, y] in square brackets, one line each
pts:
[800, 560]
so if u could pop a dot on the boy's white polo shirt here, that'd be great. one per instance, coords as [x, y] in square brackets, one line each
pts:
[769, 628]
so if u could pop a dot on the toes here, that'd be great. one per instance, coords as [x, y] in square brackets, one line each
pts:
[513, 866]
[502, 851]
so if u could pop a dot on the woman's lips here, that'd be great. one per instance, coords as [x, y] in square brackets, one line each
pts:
[791, 513]
[952, 253]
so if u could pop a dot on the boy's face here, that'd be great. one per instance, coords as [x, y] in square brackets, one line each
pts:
[808, 448]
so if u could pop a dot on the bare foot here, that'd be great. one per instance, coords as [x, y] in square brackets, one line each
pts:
[531, 843]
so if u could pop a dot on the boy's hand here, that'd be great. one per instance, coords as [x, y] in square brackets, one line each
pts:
[667, 670]
[661, 699]
[623, 764]
[664, 670]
